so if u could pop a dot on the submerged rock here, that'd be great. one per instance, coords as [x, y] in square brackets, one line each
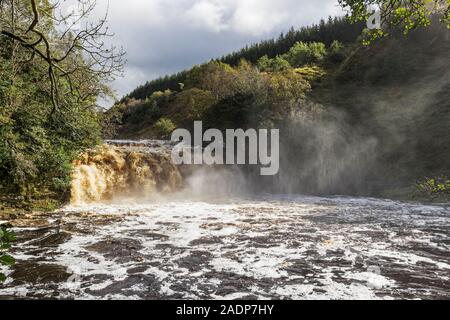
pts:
[278, 247]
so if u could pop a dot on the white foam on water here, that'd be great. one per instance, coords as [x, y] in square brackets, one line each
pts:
[293, 247]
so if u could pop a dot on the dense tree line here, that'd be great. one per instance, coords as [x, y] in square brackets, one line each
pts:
[338, 28]
[263, 93]
[50, 79]
[407, 15]
[355, 119]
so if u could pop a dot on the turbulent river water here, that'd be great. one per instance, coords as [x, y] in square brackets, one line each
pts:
[257, 247]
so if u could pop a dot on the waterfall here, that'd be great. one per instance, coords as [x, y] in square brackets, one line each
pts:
[117, 171]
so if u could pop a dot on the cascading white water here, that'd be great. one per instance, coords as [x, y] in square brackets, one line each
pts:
[111, 172]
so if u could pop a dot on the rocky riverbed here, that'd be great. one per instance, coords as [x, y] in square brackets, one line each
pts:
[272, 247]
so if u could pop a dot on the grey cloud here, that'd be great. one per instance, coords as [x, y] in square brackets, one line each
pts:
[163, 37]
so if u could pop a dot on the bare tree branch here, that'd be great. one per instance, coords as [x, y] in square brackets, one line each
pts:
[76, 58]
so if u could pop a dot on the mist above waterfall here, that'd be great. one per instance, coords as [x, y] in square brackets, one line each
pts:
[140, 172]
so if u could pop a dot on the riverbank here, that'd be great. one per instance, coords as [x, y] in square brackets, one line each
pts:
[14, 207]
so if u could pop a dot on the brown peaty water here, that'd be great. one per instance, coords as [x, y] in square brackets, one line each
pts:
[123, 171]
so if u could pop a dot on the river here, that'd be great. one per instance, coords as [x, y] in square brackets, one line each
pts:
[239, 247]
[273, 247]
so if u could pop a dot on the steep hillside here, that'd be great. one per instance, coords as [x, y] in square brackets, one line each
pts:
[333, 29]
[354, 120]
[398, 91]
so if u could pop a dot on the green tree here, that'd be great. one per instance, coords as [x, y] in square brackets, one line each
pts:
[264, 63]
[6, 237]
[190, 105]
[435, 187]
[336, 53]
[273, 65]
[164, 127]
[305, 53]
[216, 77]
[286, 90]
[51, 78]
[407, 14]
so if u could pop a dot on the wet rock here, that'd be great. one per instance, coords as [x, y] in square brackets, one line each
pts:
[260, 241]
[410, 278]
[138, 269]
[31, 272]
[196, 260]
[248, 298]
[121, 250]
[302, 268]
[217, 226]
[335, 253]
[236, 283]
[226, 290]
[95, 279]
[144, 286]
[34, 233]
[51, 240]
[164, 246]
[205, 240]
[150, 234]
[432, 252]
[29, 223]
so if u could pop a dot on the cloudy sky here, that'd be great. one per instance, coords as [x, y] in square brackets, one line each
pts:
[165, 36]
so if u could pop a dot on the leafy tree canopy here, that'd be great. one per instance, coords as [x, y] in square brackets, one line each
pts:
[407, 14]
[50, 79]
